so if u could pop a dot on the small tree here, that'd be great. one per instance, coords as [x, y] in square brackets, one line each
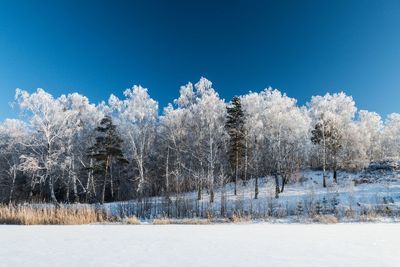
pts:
[107, 151]
[327, 135]
[235, 128]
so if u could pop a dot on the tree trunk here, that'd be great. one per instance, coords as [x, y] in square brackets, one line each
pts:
[74, 187]
[236, 170]
[32, 185]
[335, 175]
[167, 175]
[284, 180]
[277, 191]
[52, 194]
[212, 194]
[256, 188]
[90, 181]
[14, 177]
[245, 161]
[199, 192]
[111, 183]
[103, 191]
[222, 201]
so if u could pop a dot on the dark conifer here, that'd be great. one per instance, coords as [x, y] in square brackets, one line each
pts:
[107, 151]
[236, 131]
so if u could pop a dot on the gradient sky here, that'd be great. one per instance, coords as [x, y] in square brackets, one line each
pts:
[303, 48]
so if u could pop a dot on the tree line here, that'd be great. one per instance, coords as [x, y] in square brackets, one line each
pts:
[67, 149]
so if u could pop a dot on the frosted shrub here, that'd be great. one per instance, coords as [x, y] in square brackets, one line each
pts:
[280, 212]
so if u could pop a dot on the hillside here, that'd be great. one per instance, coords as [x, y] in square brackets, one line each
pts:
[364, 195]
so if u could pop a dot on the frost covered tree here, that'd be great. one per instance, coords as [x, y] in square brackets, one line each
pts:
[194, 132]
[253, 108]
[66, 149]
[82, 121]
[210, 112]
[175, 135]
[391, 137]
[331, 115]
[280, 128]
[370, 127]
[48, 120]
[137, 117]
[13, 134]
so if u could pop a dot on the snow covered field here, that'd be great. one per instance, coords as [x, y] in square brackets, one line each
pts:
[206, 245]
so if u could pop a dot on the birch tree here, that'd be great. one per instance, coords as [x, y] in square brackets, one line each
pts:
[331, 114]
[137, 116]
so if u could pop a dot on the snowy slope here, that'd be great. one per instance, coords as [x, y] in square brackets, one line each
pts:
[383, 193]
[207, 245]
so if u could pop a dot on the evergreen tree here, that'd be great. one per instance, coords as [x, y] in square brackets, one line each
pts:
[107, 151]
[299, 209]
[318, 207]
[325, 208]
[235, 129]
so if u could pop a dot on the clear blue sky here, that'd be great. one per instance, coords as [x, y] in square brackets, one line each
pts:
[303, 48]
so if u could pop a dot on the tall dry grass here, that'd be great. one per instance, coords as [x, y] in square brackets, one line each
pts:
[193, 221]
[28, 215]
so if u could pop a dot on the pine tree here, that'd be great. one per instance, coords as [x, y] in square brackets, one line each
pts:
[299, 209]
[235, 128]
[107, 151]
[325, 208]
[318, 207]
[334, 204]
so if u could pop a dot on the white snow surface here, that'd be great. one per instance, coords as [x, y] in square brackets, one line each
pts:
[362, 196]
[201, 245]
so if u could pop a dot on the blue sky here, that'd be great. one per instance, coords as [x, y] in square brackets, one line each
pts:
[303, 48]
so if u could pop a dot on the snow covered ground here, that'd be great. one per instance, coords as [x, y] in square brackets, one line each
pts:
[205, 245]
[383, 193]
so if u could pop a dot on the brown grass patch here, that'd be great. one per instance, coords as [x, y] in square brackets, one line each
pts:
[326, 219]
[369, 216]
[27, 215]
[197, 221]
[241, 218]
[131, 220]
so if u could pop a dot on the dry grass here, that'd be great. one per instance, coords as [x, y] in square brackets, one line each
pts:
[369, 216]
[197, 221]
[27, 215]
[326, 219]
[161, 221]
[131, 220]
[241, 218]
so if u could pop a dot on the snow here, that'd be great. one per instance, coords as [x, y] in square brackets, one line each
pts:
[308, 191]
[201, 245]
